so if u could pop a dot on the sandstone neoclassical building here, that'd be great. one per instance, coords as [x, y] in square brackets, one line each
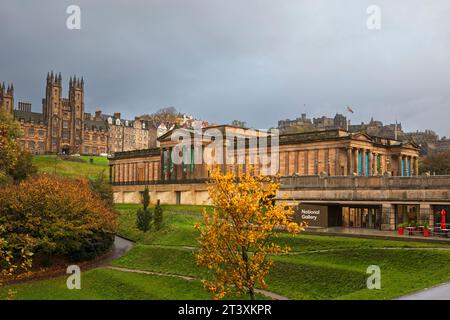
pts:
[331, 153]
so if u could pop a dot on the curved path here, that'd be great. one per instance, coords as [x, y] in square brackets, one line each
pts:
[120, 247]
[440, 292]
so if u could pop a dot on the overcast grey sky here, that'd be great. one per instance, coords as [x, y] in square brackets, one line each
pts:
[253, 60]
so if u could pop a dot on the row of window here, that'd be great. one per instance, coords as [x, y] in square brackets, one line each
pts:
[31, 132]
[94, 150]
[33, 146]
[87, 137]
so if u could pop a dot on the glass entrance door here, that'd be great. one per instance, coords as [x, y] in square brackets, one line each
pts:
[359, 217]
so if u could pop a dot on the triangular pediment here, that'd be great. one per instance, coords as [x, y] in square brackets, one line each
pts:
[361, 136]
[410, 144]
[168, 135]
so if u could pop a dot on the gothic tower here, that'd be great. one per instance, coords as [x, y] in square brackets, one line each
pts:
[7, 98]
[76, 102]
[52, 109]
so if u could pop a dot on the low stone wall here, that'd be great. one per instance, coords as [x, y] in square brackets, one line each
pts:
[358, 182]
[195, 194]
[380, 188]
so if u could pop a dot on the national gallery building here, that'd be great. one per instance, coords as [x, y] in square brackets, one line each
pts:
[333, 177]
[330, 153]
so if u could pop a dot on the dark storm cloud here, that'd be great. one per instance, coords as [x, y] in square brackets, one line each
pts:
[255, 60]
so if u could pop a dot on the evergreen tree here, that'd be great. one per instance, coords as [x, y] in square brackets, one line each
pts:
[143, 219]
[100, 185]
[158, 219]
[144, 215]
[146, 198]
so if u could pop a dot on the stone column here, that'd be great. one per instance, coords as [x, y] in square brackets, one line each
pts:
[425, 213]
[409, 163]
[349, 162]
[363, 151]
[400, 161]
[387, 217]
[405, 166]
[337, 163]
[370, 163]
[355, 161]
[306, 164]
[431, 217]
[375, 164]
[161, 162]
[416, 166]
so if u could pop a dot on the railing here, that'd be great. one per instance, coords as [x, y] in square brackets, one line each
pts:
[329, 182]
[158, 182]
[358, 182]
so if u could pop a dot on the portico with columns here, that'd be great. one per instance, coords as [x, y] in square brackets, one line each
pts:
[339, 153]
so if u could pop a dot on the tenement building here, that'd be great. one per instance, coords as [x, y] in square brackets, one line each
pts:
[334, 178]
[65, 127]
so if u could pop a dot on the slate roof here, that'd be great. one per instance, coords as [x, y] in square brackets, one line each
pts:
[93, 124]
[27, 116]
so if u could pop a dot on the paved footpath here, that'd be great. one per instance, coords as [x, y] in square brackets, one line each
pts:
[120, 247]
[441, 292]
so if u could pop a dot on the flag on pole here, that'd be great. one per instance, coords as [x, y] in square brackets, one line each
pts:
[350, 109]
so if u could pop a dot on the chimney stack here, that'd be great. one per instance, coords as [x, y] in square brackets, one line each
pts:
[24, 106]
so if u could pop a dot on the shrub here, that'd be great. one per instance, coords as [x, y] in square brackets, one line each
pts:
[143, 219]
[158, 216]
[4, 178]
[9, 148]
[89, 249]
[15, 256]
[144, 216]
[62, 216]
[15, 164]
[145, 198]
[24, 167]
[102, 188]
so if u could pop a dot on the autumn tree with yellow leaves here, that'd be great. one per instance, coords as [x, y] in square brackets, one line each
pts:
[236, 239]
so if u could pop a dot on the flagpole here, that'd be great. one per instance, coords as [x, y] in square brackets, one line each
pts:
[348, 110]
[395, 130]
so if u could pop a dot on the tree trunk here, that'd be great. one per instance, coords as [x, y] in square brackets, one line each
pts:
[251, 292]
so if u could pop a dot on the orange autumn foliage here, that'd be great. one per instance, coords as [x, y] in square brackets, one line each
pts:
[236, 239]
[61, 216]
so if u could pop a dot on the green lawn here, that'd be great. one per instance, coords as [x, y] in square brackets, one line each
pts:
[318, 275]
[177, 228]
[55, 165]
[320, 267]
[105, 284]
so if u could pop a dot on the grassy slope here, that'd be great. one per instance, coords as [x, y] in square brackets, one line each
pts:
[339, 273]
[110, 284]
[324, 275]
[177, 229]
[47, 164]
[336, 274]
